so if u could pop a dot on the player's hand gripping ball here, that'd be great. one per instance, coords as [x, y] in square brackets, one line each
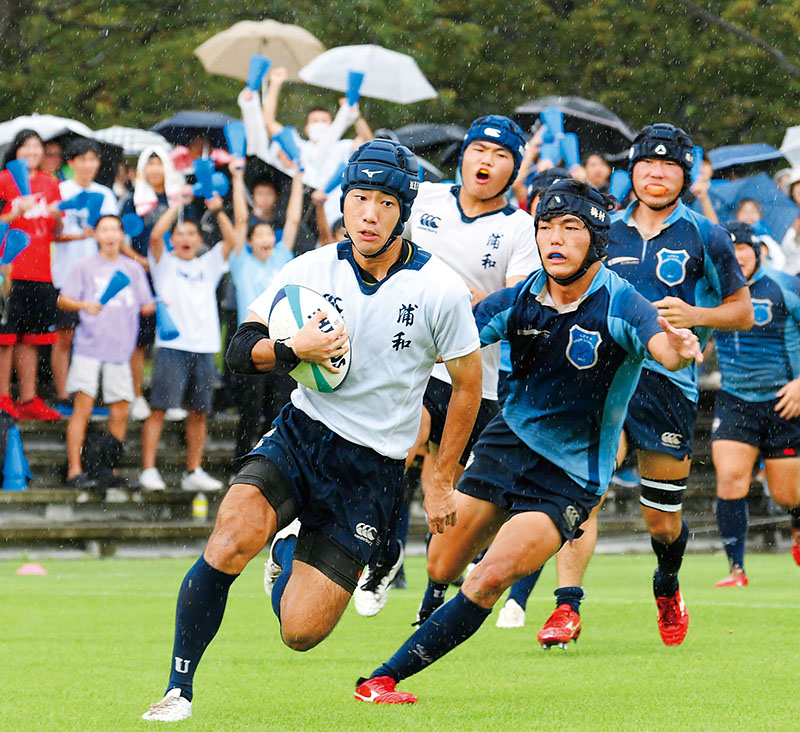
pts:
[291, 308]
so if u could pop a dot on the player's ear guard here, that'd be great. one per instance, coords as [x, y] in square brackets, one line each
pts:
[238, 355]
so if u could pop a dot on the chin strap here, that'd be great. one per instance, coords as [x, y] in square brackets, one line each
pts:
[575, 276]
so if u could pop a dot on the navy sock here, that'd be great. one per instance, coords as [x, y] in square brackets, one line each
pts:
[201, 604]
[670, 556]
[283, 552]
[794, 514]
[733, 516]
[449, 626]
[521, 590]
[433, 598]
[571, 596]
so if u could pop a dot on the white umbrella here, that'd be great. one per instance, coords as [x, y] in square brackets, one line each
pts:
[228, 53]
[131, 140]
[791, 146]
[46, 125]
[388, 75]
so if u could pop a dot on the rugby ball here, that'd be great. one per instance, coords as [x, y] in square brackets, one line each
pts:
[292, 307]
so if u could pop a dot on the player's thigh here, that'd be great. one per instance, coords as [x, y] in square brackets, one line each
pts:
[311, 605]
[662, 466]
[733, 462]
[783, 479]
[450, 553]
[245, 522]
[522, 545]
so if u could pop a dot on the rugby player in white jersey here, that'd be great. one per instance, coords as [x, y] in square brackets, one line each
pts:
[335, 461]
[492, 245]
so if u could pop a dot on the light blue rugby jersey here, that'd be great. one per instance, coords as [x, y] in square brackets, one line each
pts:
[691, 258]
[758, 362]
[572, 372]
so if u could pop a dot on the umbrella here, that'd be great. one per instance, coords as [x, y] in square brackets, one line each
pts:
[132, 140]
[429, 136]
[46, 125]
[790, 147]
[597, 127]
[388, 75]
[777, 209]
[181, 128]
[228, 53]
[739, 160]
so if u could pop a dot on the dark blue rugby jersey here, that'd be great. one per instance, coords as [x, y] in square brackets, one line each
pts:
[691, 258]
[573, 369]
[758, 362]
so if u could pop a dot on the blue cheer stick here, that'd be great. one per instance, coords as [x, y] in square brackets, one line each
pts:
[620, 185]
[16, 469]
[79, 200]
[220, 184]
[16, 241]
[20, 171]
[354, 81]
[204, 172]
[553, 122]
[259, 66]
[570, 149]
[94, 202]
[550, 151]
[119, 281]
[336, 179]
[168, 241]
[697, 164]
[286, 139]
[132, 224]
[236, 138]
[167, 330]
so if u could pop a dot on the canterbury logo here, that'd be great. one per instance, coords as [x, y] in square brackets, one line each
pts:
[429, 222]
[671, 439]
[370, 173]
[491, 132]
[366, 533]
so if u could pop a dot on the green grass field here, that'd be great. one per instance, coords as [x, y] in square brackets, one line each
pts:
[87, 647]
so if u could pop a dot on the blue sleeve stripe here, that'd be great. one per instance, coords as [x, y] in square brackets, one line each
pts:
[495, 329]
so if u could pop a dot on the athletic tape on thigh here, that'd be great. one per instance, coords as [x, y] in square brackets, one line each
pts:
[260, 472]
[662, 495]
[338, 565]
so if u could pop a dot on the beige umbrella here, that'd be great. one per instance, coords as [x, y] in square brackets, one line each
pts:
[228, 53]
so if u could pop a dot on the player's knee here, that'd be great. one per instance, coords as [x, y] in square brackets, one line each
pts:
[486, 583]
[730, 488]
[234, 539]
[300, 639]
[664, 531]
[441, 570]
[786, 496]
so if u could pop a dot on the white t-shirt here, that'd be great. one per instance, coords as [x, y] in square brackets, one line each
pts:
[485, 251]
[189, 289]
[397, 332]
[66, 253]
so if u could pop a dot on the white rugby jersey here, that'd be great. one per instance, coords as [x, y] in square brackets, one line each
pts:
[397, 331]
[485, 250]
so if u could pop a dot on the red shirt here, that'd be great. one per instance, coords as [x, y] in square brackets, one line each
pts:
[34, 261]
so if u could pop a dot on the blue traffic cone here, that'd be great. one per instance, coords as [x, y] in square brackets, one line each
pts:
[16, 471]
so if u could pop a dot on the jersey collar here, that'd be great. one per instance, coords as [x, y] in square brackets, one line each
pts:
[538, 288]
[757, 275]
[677, 214]
[411, 257]
[507, 210]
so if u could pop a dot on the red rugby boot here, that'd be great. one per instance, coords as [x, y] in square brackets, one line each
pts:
[796, 545]
[380, 690]
[673, 619]
[563, 626]
[737, 578]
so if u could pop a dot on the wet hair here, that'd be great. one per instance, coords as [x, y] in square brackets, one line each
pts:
[317, 109]
[251, 229]
[109, 216]
[187, 221]
[81, 146]
[265, 182]
[19, 140]
[744, 201]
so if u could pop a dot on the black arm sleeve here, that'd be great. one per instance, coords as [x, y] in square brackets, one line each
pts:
[241, 346]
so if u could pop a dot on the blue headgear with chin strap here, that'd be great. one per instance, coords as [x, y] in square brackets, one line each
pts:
[502, 131]
[665, 142]
[742, 233]
[388, 166]
[570, 196]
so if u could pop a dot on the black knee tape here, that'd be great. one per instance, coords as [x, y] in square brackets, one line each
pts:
[260, 472]
[338, 565]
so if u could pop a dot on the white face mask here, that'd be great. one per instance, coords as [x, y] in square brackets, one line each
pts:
[318, 130]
